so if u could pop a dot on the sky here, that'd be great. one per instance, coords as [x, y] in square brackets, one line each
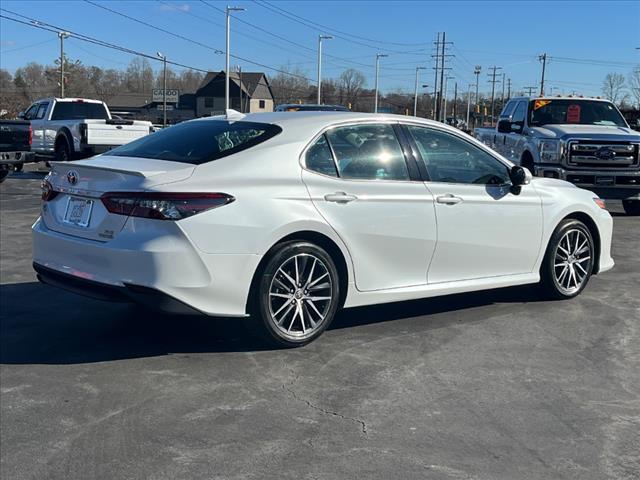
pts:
[584, 40]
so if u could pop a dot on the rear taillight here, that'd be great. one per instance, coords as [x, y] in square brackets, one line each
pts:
[30, 135]
[83, 132]
[163, 206]
[48, 193]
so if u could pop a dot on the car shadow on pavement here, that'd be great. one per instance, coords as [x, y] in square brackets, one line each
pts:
[43, 325]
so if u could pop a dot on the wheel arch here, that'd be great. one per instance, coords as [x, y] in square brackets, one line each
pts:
[320, 239]
[527, 161]
[64, 134]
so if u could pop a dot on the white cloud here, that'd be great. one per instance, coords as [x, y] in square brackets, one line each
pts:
[183, 7]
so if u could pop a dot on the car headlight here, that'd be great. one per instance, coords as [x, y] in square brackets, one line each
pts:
[549, 150]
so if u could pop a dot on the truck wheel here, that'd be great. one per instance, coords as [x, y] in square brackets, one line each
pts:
[18, 167]
[62, 151]
[568, 262]
[631, 207]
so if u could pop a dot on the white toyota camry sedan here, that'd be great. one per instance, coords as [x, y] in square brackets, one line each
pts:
[290, 217]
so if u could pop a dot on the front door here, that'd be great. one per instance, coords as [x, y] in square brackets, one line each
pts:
[358, 179]
[486, 227]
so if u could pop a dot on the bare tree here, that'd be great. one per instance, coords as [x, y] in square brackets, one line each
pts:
[351, 83]
[634, 85]
[290, 86]
[613, 86]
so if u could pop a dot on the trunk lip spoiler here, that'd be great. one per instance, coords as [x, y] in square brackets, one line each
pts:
[102, 167]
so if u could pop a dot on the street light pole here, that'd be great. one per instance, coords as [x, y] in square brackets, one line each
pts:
[227, 59]
[320, 38]
[62, 36]
[469, 103]
[378, 57]
[164, 89]
[444, 98]
[476, 72]
[415, 95]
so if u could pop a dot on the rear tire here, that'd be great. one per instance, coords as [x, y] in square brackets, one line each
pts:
[62, 152]
[631, 207]
[18, 167]
[296, 295]
[568, 262]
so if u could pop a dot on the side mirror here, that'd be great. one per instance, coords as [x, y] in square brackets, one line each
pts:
[21, 115]
[519, 176]
[504, 126]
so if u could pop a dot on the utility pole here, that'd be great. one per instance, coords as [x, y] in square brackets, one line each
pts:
[508, 88]
[227, 55]
[530, 90]
[320, 38]
[415, 94]
[164, 88]
[62, 36]
[239, 70]
[435, 82]
[493, 82]
[441, 55]
[543, 59]
[469, 104]
[503, 85]
[455, 101]
[444, 98]
[378, 57]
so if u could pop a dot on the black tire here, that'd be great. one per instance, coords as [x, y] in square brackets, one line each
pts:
[527, 162]
[62, 152]
[631, 207]
[18, 167]
[289, 316]
[574, 259]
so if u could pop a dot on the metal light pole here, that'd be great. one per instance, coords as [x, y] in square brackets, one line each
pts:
[378, 57]
[164, 89]
[469, 103]
[415, 94]
[62, 36]
[226, 68]
[444, 98]
[320, 38]
[476, 72]
[239, 70]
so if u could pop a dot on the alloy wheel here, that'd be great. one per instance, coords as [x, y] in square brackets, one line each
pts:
[300, 295]
[572, 261]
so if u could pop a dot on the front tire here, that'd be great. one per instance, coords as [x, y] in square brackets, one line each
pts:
[568, 262]
[62, 152]
[298, 294]
[631, 207]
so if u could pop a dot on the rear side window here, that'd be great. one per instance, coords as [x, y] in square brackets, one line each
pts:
[42, 109]
[368, 152]
[320, 159]
[79, 111]
[199, 141]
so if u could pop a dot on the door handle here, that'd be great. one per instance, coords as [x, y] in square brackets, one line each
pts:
[448, 199]
[340, 197]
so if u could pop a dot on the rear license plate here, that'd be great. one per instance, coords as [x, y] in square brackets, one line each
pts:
[78, 211]
[604, 181]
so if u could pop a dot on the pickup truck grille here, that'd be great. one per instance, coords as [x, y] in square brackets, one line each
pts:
[603, 154]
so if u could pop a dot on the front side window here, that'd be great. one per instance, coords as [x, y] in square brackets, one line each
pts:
[451, 159]
[520, 113]
[320, 159]
[508, 109]
[368, 152]
[198, 141]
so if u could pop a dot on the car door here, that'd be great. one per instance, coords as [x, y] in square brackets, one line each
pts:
[37, 126]
[486, 227]
[368, 189]
[514, 141]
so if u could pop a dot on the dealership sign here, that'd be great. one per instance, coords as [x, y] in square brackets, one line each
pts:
[172, 95]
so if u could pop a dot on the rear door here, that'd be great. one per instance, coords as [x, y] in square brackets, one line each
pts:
[367, 188]
[486, 228]
[37, 125]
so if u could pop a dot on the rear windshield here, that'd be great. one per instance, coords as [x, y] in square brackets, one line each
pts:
[79, 111]
[578, 112]
[198, 141]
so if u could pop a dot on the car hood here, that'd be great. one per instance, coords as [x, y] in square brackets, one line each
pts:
[551, 182]
[595, 132]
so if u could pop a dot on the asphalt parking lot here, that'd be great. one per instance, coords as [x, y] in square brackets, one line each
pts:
[493, 385]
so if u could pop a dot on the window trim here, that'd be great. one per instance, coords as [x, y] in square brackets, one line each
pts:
[480, 146]
[355, 123]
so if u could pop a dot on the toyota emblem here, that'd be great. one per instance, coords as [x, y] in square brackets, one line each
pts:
[72, 177]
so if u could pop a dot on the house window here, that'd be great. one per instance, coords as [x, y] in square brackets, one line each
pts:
[262, 104]
[208, 102]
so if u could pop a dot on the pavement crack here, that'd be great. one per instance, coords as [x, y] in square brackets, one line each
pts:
[287, 388]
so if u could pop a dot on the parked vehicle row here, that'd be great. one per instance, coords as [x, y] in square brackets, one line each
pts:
[290, 217]
[584, 141]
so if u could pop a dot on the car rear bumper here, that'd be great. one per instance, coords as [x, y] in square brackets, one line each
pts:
[610, 184]
[159, 267]
[17, 157]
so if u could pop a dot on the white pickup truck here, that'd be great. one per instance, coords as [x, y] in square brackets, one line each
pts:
[585, 141]
[72, 128]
